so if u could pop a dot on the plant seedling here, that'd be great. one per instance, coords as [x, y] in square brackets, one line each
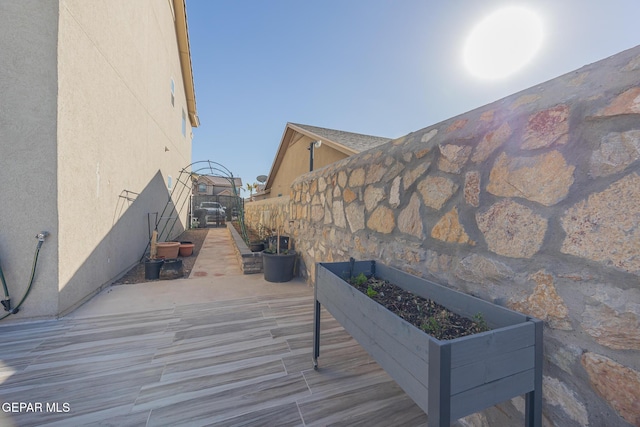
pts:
[480, 322]
[358, 280]
[431, 326]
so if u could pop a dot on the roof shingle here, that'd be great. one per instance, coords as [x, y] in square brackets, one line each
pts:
[355, 141]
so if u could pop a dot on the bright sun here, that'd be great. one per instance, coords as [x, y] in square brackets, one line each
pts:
[503, 42]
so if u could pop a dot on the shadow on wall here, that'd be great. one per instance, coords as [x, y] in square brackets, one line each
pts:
[121, 248]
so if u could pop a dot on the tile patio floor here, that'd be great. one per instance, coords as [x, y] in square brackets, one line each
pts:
[219, 348]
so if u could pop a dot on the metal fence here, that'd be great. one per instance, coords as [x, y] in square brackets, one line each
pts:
[232, 205]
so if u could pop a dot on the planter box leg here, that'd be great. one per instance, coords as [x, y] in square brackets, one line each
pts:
[533, 399]
[439, 402]
[316, 334]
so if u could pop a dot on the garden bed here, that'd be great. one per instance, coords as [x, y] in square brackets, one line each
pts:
[447, 379]
[425, 314]
[254, 236]
[137, 273]
[250, 262]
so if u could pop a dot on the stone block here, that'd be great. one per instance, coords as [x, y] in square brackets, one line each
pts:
[472, 188]
[348, 195]
[339, 219]
[606, 226]
[617, 151]
[558, 394]
[511, 229]
[453, 157]
[626, 103]
[373, 196]
[545, 303]
[409, 220]
[375, 173]
[545, 178]
[491, 142]
[356, 179]
[547, 127]
[355, 216]
[411, 175]
[617, 384]
[436, 190]
[382, 220]
[449, 229]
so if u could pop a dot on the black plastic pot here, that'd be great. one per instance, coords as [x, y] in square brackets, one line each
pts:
[256, 246]
[172, 269]
[278, 267]
[152, 268]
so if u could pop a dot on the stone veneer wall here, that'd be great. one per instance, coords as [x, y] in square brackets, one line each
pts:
[273, 214]
[532, 202]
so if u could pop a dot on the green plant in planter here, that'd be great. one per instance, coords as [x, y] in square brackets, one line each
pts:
[272, 250]
[431, 326]
[278, 262]
[481, 323]
[425, 314]
[358, 280]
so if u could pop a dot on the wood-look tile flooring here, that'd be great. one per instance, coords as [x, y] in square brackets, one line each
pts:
[238, 362]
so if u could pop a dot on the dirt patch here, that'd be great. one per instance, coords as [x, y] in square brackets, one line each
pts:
[195, 235]
[425, 314]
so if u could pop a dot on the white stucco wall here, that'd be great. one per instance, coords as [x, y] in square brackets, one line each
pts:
[116, 123]
[86, 114]
[28, 183]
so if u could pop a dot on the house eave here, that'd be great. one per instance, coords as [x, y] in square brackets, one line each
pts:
[340, 147]
[286, 136]
[182, 33]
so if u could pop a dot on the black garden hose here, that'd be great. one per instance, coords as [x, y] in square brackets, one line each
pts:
[7, 302]
[6, 291]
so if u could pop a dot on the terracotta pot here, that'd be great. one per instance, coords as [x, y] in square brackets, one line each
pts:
[186, 249]
[168, 249]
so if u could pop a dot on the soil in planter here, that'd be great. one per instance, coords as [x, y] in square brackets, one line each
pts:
[425, 314]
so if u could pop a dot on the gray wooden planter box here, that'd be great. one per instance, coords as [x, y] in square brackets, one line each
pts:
[447, 379]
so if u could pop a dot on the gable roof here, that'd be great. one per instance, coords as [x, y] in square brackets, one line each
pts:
[355, 142]
[348, 143]
[220, 181]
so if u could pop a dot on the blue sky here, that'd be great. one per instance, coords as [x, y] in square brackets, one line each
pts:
[377, 67]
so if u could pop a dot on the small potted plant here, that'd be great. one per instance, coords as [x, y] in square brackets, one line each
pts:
[278, 261]
[258, 238]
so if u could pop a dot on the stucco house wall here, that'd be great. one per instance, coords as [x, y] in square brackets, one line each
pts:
[28, 158]
[296, 163]
[114, 126]
[292, 158]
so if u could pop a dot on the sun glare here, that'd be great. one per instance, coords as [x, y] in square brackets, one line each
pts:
[503, 42]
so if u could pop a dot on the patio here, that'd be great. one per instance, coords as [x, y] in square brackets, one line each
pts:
[220, 348]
